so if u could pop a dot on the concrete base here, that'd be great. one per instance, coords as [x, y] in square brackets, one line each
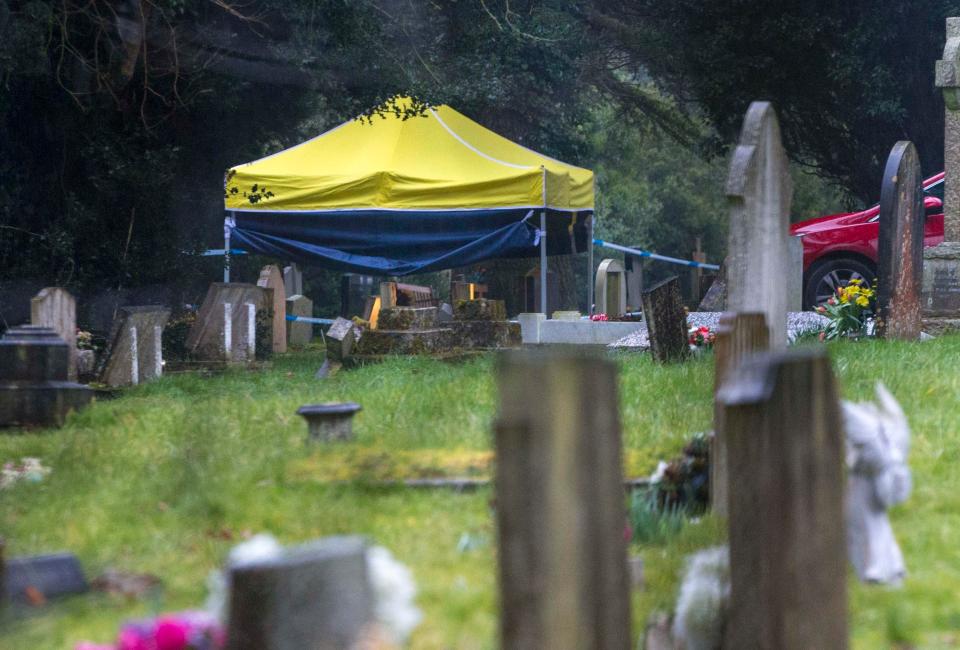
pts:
[941, 280]
[536, 330]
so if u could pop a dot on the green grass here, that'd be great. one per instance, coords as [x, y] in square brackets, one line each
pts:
[166, 478]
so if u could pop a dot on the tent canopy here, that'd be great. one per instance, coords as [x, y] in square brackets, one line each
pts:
[396, 196]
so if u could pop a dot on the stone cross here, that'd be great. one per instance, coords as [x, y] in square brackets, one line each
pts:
[55, 308]
[134, 352]
[900, 245]
[666, 321]
[785, 454]
[941, 267]
[272, 278]
[315, 596]
[564, 582]
[738, 336]
[759, 190]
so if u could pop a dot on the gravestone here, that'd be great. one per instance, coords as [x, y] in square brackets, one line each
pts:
[794, 274]
[134, 351]
[34, 391]
[531, 292]
[55, 308]
[941, 263]
[611, 289]
[785, 454]
[388, 294]
[407, 318]
[759, 190]
[340, 339]
[224, 329]
[292, 280]
[315, 596]
[564, 582]
[738, 336]
[355, 289]
[715, 299]
[633, 274]
[271, 278]
[900, 245]
[666, 321]
[480, 309]
[299, 334]
[32, 580]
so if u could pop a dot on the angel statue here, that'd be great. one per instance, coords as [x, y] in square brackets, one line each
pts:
[878, 440]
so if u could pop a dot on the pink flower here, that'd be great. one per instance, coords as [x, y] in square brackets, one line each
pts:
[86, 645]
[171, 633]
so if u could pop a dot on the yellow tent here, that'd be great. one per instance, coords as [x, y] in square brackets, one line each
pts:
[442, 160]
[394, 196]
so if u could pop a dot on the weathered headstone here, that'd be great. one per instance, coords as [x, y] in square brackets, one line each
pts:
[737, 337]
[794, 274]
[900, 245]
[666, 321]
[299, 333]
[340, 339]
[223, 333]
[941, 263]
[610, 293]
[715, 299]
[759, 190]
[134, 352]
[564, 582]
[315, 596]
[32, 580]
[355, 289]
[480, 309]
[272, 278]
[55, 308]
[388, 294]
[34, 390]
[292, 280]
[785, 453]
[407, 318]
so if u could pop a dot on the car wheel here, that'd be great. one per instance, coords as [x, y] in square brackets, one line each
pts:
[827, 277]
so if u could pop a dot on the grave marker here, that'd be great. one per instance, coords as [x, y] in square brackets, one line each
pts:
[900, 245]
[55, 308]
[785, 454]
[340, 340]
[292, 280]
[223, 333]
[564, 582]
[666, 321]
[315, 596]
[611, 289]
[759, 190]
[134, 352]
[737, 337]
[32, 580]
[299, 333]
[272, 278]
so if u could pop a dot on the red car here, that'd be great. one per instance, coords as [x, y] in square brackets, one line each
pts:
[840, 247]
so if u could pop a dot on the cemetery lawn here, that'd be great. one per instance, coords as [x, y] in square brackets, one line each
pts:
[167, 477]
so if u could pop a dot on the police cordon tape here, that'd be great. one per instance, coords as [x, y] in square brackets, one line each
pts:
[307, 319]
[655, 256]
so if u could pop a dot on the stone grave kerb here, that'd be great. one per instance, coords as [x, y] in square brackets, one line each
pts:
[759, 191]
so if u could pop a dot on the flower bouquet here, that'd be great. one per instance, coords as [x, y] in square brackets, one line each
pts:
[191, 630]
[848, 311]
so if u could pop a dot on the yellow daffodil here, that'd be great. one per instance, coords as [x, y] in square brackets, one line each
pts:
[863, 301]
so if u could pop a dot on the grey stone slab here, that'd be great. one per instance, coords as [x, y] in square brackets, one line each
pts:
[54, 307]
[224, 334]
[33, 354]
[299, 334]
[315, 596]
[292, 281]
[340, 339]
[759, 191]
[43, 576]
[134, 351]
[272, 278]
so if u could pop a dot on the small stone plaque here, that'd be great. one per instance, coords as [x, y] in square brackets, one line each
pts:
[31, 580]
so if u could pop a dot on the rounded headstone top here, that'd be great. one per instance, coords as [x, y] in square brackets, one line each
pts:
[330, 408]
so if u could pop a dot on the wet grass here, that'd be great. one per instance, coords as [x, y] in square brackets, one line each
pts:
[166, 478]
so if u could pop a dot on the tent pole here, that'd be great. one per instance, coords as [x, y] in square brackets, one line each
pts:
[590, 267]
[543, 262]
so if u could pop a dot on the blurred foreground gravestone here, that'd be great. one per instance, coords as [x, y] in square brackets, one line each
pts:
[759, 190]
[564, 582]
[134, 351]
[900, 245]
[666, 321]
[34, 390]
[32, 580]
[785, 453]
[316, 596]
[55, 308]
[272, 278]
[738, 336]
